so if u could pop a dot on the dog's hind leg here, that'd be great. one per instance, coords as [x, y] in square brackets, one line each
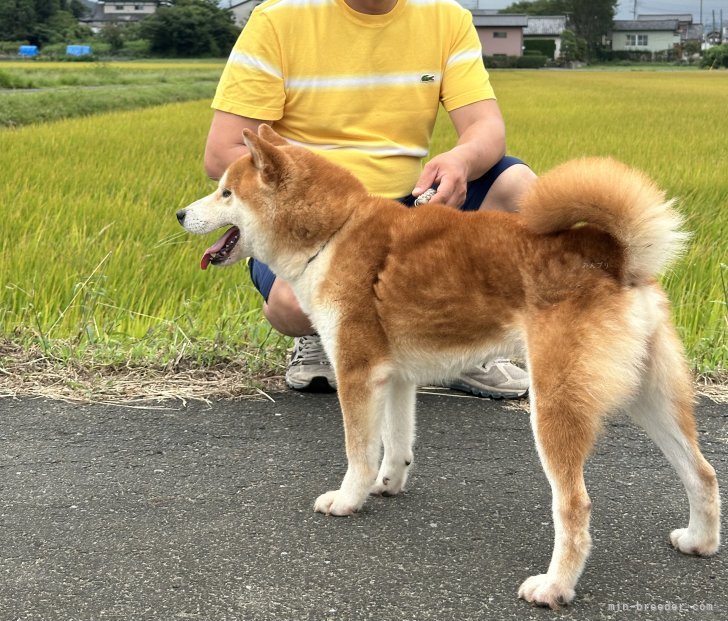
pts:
[664, 409]
[398, 435]
[362, 393]
[582, 366]
[565, 432]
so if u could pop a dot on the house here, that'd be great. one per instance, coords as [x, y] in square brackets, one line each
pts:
[716, 37]
[100, 14]
[649, 36]
[546, 28]
[685, 26]
[241, 9]
[500, 34]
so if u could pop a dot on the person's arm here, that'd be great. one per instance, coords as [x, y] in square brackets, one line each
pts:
[481, 144]
[225, 141]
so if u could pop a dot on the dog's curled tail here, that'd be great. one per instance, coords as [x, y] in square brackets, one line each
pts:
[618, 199]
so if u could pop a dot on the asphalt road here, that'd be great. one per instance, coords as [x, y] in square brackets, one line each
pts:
[205, 512]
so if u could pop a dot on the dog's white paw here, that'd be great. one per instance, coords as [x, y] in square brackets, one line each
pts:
[334, 503]
[387, 486]
[392, 477]
[543, 591]
[688, 543]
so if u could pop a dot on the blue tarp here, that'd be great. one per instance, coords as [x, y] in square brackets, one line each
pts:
[78, 50]
[28, 50]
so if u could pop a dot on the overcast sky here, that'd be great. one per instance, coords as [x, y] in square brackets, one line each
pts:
[626, 7]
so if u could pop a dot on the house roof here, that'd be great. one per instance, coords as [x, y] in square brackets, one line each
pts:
[623, 25]
[503, 20]
[681, 17]
[694, 31]
[552, 25]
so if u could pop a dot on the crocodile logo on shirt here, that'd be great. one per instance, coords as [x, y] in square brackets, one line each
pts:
[428, 77]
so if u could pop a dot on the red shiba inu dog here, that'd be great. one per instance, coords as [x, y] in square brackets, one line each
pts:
[570, 281]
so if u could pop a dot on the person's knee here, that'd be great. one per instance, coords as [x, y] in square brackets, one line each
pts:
[507, 189]
[284, 312]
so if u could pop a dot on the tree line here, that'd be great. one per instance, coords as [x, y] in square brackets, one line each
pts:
[201, 28]
[179, 28]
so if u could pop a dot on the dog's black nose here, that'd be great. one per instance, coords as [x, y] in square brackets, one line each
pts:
[181, 216]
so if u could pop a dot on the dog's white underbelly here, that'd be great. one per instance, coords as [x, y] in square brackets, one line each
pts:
[423, 365]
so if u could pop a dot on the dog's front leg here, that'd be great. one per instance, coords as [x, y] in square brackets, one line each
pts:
[398, 435]
[361, 399]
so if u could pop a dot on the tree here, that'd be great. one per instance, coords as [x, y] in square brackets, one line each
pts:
[591, 20]
[45, 9]
[190, 28]
[41, 21]
[75, 8]
[716, 56]
[18, 20]
[572, 48]
[539, 7]
[113, 34]
[63, 27]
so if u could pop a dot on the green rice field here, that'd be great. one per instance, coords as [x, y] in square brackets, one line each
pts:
[47, 91]
[94, 265]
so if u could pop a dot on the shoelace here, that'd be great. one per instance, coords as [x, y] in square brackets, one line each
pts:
[309, 350]
[488, 364]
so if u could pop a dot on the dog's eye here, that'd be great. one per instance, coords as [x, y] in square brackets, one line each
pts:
[226, 193]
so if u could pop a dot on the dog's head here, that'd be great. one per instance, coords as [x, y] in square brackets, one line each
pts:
[281, 202]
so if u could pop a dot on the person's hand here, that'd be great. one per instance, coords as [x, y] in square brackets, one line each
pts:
[448, 171]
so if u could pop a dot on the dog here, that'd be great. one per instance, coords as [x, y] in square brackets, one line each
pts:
[406, 296]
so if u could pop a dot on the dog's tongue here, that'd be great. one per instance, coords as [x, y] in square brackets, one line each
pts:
[205, 260]
[214, 249]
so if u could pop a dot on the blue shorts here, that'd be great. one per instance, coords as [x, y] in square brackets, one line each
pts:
[263, 277]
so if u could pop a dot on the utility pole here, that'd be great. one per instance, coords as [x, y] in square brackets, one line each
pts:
[701, 17]
[634, 9]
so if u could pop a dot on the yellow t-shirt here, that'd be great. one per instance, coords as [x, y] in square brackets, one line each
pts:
[362, 90]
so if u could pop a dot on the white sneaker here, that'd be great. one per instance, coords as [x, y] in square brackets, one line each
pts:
[309, 368]
[497, 379]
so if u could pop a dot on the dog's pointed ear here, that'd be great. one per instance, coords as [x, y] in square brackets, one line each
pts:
[266, 132]
[267, 158]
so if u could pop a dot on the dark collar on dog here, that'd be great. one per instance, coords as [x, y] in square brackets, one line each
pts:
[318, 252]
[313, 257]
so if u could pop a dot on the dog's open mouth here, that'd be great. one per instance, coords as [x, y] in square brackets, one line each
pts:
[219, 251]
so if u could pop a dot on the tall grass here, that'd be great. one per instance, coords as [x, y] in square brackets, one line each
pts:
[92, 258]
[91, 252]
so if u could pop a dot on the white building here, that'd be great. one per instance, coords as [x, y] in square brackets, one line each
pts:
[100, 14]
